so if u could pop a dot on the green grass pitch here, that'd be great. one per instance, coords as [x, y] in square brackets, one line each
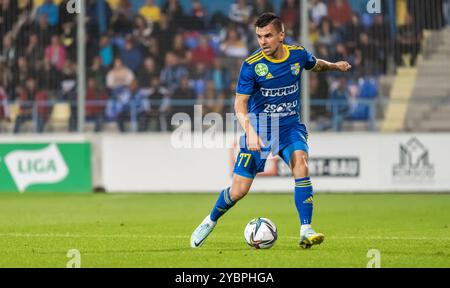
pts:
[153, 230]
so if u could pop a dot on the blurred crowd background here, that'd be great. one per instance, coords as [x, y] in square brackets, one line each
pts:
[147, 60]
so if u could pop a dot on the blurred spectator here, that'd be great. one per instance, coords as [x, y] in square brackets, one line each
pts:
[119, 75]
[4, 109]
[240, 13]
[352, 32]
[153, 52]
[322, 51]
[130, 100]
[185, 94]
[218, 20]
[203, 53]
[68, 85]
[318, 10]
[233, 46]
[339, 105]
[48, 77]
[69, 40]
[260, 7]
[8, 51]
[339, 12]
[97, 73]
[50, 10]
[150, 11]
[164, 33]
[290, 16]
[220, 76]
[5, 77]
[147, 72]
[199, 78]
[26, 26]
[361, 108]
[213, 100]
[131, 55]
[44, 31]
[23, 71]
[96, 98]
[369, 55]
[99, 16]
[122, 22]
[141, 32]
[159, 97]
[106, 51]
[380, 35]
[408, 41]
[56, 53]
[173, 72]
[231, 92]
[197, 19]
[328, 35]
[319, 90]
[28, 97]
[33, 51]
[181, 50]
[94, 48]
[125, 8]
[9, 13]
[174, 12]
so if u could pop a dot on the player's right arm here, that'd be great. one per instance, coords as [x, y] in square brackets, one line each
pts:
[254, 142]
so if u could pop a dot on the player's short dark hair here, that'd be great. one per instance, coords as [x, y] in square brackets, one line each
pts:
[270, 18]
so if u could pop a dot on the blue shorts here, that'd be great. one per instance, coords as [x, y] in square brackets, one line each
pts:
[249, 163]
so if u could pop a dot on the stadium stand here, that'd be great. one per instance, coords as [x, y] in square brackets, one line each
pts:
[204, 43]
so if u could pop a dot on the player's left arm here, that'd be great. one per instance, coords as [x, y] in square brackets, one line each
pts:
[323, 66]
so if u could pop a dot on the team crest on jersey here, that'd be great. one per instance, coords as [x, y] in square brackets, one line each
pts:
[261, 69]
[295, 69]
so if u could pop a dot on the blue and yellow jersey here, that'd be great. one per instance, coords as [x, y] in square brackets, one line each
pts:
[274, 85]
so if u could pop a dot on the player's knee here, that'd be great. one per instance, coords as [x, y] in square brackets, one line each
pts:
[300, 165]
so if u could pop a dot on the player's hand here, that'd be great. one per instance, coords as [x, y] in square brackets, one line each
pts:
[343, 66]
[254, 143]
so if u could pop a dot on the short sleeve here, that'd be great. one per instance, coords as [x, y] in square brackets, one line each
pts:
[246, 82]
[309, 60]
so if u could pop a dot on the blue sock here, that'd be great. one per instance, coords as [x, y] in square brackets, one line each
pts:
[223, 203]
[304, 199]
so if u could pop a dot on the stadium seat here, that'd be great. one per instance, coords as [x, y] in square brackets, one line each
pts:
[59, 118]
[13, 111]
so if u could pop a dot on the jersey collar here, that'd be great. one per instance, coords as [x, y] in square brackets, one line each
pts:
[279, 60]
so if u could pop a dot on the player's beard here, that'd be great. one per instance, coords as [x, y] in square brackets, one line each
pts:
[273, 52]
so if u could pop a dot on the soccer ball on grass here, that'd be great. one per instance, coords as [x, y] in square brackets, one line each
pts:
[260, 233]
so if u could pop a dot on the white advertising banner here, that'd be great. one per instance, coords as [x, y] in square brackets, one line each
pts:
[338, 163]
[153, 164]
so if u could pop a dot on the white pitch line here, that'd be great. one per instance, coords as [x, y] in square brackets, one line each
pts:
[137, 236]
[68, 235]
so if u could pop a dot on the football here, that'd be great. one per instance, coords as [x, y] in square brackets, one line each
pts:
[260, 233]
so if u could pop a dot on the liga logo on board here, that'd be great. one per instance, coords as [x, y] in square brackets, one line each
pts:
[45, 166]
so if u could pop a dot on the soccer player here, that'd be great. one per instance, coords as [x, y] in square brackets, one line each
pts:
[268, 86]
